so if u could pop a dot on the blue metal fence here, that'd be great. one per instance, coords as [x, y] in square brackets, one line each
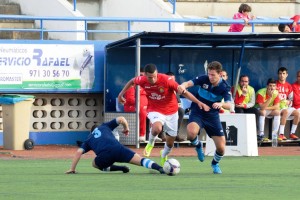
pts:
[212, 21]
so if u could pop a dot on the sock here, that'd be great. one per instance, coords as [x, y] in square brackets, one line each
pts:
[166, 150]
[217, 158]
[276, 123]
[281, 129]
[152, 139]
[195, 141]
[261, 134]
[293, 129]
[147, 163]
[261, 123]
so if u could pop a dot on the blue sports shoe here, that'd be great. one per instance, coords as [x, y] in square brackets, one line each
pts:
[200, 152]
[216, 169]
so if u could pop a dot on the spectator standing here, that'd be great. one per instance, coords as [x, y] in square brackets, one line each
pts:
[267, 102]
[243, 13]
[293, 27]
[286, 99]
[129, 106]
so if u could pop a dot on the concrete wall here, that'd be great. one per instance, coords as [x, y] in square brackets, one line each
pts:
[128, 9]
[205, 8]
[55, 8]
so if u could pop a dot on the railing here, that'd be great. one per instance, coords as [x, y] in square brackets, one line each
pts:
[212, 21]
[173, 2]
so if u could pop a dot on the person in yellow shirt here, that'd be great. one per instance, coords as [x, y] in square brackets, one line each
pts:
[267, 102]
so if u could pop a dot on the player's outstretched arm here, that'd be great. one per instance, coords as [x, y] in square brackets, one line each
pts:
[191, 97]
[121, 120]
[129, 84]
[75, 161]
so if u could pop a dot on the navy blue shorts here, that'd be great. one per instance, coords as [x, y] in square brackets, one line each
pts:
[119, 153]
[211, 123]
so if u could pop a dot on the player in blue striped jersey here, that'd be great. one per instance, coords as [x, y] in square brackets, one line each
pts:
[108, 150]
[212, 89]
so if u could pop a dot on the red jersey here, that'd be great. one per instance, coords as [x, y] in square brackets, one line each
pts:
[296, 91]
[263, 99]
[129, 95]
[297, 27]
[285, 90]
[161, 96]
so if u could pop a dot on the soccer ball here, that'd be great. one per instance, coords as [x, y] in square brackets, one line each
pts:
[171, 167]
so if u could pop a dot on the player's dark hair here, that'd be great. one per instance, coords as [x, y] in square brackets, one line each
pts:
[215, 65]
[93, 128]
[271, 80]
[244, 8]
[243, 76]
[281, 27]
[170, 74]
[150, 68]
[282, 69]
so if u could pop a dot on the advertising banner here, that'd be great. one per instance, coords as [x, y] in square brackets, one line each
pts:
[47, 66]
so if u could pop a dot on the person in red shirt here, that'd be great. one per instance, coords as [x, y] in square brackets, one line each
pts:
[296, 91]
[243, 13]
[267, 102]
[129, 106]
[244, 98]
[162, 106]
[294, 27]
[286, 110]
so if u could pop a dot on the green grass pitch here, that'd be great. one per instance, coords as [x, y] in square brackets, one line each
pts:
[265, 177]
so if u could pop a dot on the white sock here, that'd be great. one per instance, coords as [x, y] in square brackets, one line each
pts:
[261, 123]
[293, 129]
[281, 129]
[152, 139]
[276, 123]
[166, 151]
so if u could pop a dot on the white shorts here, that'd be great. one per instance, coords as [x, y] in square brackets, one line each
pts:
[289, 109]
[170, 122]
[268, 112]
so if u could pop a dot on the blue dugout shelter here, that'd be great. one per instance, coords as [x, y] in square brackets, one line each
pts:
[186, 54]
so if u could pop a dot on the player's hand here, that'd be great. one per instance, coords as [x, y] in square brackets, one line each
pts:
[205, 107]
[121, 99]
[244, 90]
[217, 105]
[181, 89]
[125, 132]
[71, 172]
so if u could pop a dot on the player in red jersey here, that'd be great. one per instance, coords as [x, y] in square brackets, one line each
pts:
[162, 106]
[296, 91]
[286, 99]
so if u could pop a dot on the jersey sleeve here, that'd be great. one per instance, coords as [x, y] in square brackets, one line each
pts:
[173, 85]
[227, 95]
[130, 96]
[86, 148]
[259, 99]
[198, 80]
[111, 124]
